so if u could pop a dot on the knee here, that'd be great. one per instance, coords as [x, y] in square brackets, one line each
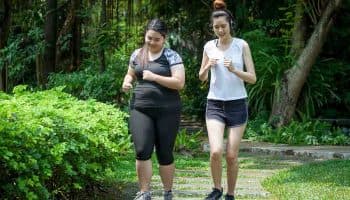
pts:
[231, 158]
[165, 158]
[143, 154]
[216, 154]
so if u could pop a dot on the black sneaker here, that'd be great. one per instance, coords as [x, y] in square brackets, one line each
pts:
[214, 195]
[229, 197]
[168, 195]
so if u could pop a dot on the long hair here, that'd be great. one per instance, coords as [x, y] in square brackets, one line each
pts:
[155, 25]
[220, 10]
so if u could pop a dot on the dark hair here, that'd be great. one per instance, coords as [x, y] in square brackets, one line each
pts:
[155, 25]
[158, 26]
[220, 10]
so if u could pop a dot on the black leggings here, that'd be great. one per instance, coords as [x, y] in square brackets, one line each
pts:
[154, 127]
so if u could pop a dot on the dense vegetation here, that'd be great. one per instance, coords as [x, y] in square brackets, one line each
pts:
[52, 144]
[110, 30]
[66, 128]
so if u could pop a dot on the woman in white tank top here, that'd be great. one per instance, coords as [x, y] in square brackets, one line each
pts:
[230, 64]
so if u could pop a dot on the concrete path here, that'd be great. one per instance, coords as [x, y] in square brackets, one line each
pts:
[271, 158]
[318, 152]
[250, 177]
[248, 183]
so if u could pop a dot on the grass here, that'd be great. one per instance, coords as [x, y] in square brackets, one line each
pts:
[287, 178]
[320, 180]
[193, 173]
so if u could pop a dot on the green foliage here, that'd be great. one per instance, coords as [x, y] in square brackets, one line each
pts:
[189, 30]
[269, 66]
[120, 33]
[194, 94]
[52, 144]
[320, 180]
[266, 27]
[20, 55]
[323, 94]
[322, 87]
[305, 132]
[90, 83]
[288, 22]
[187, 141]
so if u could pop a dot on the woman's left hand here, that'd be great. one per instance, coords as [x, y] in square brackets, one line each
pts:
[148, 75]
[228, 65]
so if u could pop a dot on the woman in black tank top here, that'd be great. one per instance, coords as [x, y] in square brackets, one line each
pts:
[155, 106]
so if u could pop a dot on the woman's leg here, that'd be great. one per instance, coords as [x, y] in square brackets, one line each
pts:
[144, 174]
[215, 130]
[234, 138]
[167, 127]
[167, 176]
[142, 129]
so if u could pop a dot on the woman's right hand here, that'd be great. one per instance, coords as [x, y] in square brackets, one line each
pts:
[211, 63]
[206, 64]
[126, 86]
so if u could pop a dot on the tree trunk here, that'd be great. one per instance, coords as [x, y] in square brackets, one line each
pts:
[299, 30]
[50, 40]
[65, 30]
[76, 39]
[5, 21]
[103, 24]
[286, 98]
[39, 67]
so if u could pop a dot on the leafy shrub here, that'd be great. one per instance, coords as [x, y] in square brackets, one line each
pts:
[270, 64]
[194, 94]
[90, 83]
[52, 144]
[187, 141]
[305, 132]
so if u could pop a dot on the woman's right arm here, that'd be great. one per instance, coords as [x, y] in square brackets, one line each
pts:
[205, 67]
[128, 79]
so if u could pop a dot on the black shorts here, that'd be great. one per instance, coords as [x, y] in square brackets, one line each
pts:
[232, 113]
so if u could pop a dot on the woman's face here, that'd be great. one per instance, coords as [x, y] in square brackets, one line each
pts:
[154, 40]
[221, 27]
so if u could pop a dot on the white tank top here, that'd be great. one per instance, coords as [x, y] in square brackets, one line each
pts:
[225, 85]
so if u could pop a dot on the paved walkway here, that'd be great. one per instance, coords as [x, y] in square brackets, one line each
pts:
[250, 177]
[271, 158]
[318, 152]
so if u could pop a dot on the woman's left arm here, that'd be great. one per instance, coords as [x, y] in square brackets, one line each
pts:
[176, 81]
[248, 75]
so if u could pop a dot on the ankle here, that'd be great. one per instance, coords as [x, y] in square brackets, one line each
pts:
[229, 197]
